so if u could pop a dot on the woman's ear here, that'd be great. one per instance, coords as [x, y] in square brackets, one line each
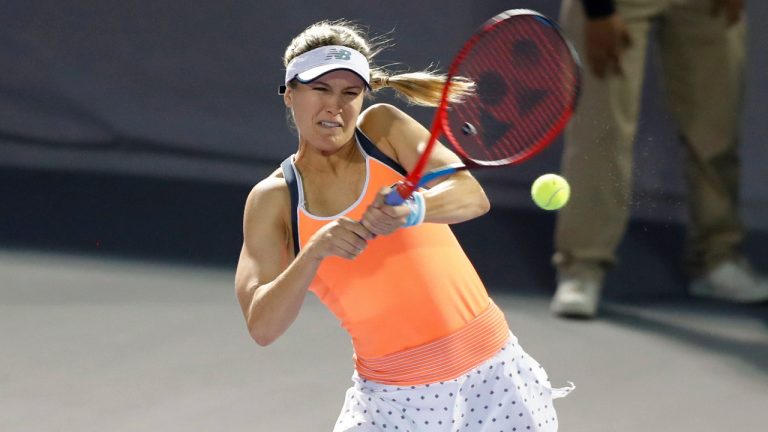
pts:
[288, 97]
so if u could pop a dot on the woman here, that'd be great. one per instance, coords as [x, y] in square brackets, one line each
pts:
[432, 351]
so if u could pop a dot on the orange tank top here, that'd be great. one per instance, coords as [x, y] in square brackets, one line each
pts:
[405, 290]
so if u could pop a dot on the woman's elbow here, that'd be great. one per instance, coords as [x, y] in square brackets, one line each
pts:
[261, 337]
[262, 340]
[255, 327]
[483, 204]
[480, 205]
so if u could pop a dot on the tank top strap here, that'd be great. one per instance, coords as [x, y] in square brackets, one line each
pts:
[291, 179]
[370, 150]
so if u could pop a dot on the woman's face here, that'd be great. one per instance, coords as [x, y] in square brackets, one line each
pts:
[326, 109]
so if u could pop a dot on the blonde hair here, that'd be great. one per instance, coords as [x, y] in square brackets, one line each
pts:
[420, 88]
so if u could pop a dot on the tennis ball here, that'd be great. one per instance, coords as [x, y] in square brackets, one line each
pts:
[550, 191]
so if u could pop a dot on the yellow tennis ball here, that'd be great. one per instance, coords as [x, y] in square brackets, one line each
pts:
[550, 192]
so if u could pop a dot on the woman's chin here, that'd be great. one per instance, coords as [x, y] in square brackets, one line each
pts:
[332, 142]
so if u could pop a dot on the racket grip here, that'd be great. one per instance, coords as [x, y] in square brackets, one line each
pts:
[394, 198]
[400, 192]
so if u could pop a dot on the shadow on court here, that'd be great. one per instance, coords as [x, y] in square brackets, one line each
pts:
[674, 322]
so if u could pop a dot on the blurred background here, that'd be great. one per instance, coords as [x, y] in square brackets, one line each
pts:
[130, 135]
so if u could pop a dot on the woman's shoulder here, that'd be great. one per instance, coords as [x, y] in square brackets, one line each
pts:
[270, 193]
[380, 116]
[382, 124]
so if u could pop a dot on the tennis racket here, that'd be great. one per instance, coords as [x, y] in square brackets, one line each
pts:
[526, 77]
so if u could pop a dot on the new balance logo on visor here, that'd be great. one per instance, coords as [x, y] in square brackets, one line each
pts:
[310, 65]
[338, 54]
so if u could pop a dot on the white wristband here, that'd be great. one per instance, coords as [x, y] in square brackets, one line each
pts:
[418, 208]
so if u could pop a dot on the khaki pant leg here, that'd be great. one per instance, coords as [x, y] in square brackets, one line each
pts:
[703, 62]
[597, 157]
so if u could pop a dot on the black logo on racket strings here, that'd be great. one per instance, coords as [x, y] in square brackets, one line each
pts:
[527, 55]
[526, 52]
[492, 90]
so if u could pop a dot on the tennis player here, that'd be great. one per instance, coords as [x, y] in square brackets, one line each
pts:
[432, 351]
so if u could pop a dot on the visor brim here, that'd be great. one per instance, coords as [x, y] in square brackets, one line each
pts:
[310, 75]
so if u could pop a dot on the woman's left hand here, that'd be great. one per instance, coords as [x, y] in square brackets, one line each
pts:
[382, 219]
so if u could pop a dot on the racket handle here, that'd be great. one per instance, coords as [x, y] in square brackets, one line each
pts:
[400, 192]
[394, 198]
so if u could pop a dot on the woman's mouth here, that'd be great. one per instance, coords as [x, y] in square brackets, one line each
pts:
[330, 124]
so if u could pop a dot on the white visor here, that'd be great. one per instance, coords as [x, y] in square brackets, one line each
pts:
[312, 64]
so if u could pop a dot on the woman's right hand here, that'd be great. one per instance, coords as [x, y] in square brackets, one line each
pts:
[344, 237]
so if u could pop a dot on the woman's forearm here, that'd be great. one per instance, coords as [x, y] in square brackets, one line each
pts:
[274, 306]
[457, 199]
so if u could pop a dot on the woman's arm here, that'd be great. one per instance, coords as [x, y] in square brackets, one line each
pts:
[453, 199]
[270, 290]
[270, 283]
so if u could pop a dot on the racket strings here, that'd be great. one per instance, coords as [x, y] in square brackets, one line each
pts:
[527, 81]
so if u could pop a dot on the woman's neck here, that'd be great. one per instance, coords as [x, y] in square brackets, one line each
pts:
[311, 159]
[331, 182]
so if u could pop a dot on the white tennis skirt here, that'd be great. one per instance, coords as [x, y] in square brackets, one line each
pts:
[509, 392]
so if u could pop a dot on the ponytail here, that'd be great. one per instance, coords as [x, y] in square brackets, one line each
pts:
[423, 88]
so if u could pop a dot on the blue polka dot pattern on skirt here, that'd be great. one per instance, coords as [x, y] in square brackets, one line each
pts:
[509, 392]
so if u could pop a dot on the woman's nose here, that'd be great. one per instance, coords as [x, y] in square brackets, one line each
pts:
[333, 105]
